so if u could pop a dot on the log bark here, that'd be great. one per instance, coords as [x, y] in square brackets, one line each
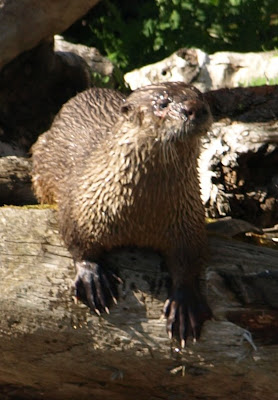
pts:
[224, 69]
[90, 55]
[251, 104]
[238, 171]
[24, 24]
[53, 348]
[15, 181]
[238, 164]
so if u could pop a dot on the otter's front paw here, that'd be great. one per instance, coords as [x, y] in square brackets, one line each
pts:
[95, 288]
[186, 311]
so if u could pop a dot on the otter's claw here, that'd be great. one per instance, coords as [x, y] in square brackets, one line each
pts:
[93, 287]
[186, 311]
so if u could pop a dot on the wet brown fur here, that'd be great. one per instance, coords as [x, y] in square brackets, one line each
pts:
[124, 174]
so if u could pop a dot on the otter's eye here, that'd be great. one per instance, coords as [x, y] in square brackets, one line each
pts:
[160, 105]
[163, 103]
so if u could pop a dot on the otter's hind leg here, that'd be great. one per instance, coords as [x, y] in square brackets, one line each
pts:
[94, 287]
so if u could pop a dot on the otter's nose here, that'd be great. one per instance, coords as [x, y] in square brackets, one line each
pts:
[190, 109]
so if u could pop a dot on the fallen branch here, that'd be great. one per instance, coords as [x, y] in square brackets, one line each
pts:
[53, 348]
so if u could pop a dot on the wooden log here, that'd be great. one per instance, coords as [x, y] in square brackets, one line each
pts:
[15, 181]
[244, 104]
[35, 21]
[53, 348]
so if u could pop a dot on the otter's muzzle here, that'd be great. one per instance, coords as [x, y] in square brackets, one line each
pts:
[188, 111]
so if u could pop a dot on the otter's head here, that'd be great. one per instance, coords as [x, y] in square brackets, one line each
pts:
[170, 111]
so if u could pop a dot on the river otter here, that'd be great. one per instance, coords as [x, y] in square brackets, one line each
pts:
[123, 172]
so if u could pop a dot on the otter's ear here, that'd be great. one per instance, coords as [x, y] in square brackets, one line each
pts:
[126, 109]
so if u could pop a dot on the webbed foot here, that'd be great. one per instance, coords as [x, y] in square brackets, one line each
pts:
[186, 311]
[94, 287]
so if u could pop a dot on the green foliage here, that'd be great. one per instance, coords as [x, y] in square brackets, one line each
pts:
[260, 81]
[133, 33]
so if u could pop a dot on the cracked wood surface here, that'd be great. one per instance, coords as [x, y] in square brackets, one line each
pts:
[52, 348]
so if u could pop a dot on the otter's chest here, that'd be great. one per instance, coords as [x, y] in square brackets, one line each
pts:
[147, 213]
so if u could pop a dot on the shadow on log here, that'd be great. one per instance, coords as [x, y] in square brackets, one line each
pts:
[52, 348]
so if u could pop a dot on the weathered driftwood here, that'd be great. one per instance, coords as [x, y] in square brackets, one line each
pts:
[90, 55]
[15, 181]
[238, 171]
[245, 104]
[238, 167]
[53, 348]
[35, 20]
[223, 69]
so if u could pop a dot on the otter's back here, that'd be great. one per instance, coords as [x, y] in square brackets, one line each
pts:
[83, 122]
